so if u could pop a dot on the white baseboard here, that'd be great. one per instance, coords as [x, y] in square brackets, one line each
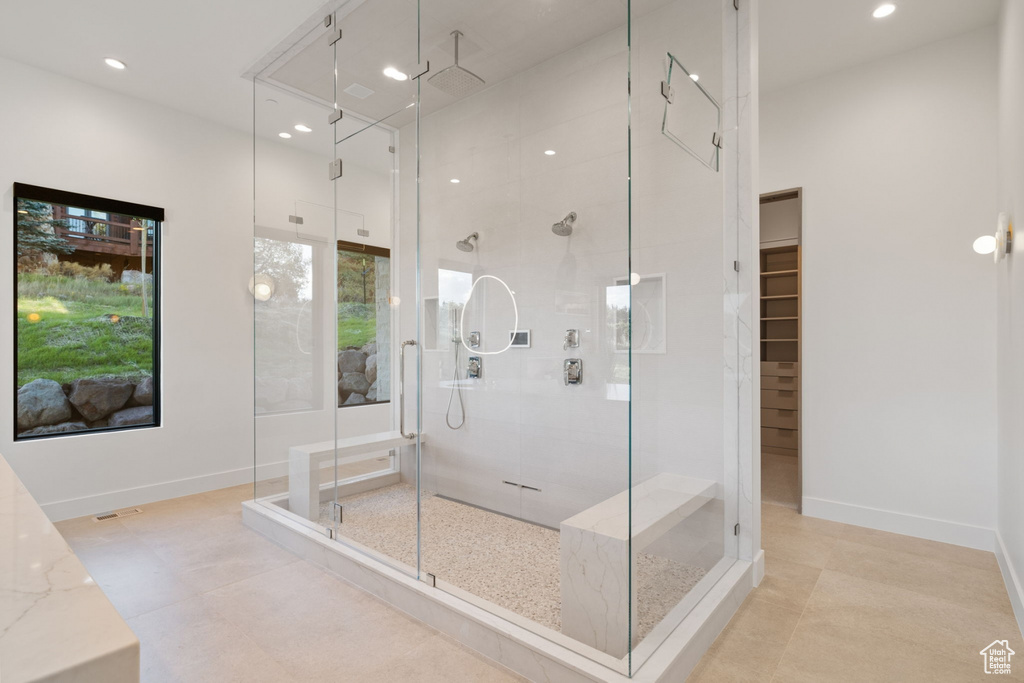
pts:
[1012, 581]
[113, 500]
[758, 568]
[940, 530]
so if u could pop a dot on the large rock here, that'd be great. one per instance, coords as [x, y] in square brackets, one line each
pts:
[351, 360]
[371, 395]
[371, 369]
[143, 394]
[42, 402]
[131, 416]
[99, 397]
[370, 349]
[354, 399]
[354, 383]
[62, 428]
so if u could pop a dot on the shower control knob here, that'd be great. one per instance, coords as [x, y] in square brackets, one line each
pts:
[572, 371]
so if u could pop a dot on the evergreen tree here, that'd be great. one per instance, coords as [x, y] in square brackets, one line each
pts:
[36, 231]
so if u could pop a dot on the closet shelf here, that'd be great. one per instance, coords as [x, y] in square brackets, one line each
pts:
[790, 317]
[780, 340]
[778, 273]
[780, 296]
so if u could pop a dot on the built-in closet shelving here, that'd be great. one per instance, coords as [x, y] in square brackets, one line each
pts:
[780, 350]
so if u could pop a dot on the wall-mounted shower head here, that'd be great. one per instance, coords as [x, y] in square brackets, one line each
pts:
[455, 80]
[563, 228]
[466, 245]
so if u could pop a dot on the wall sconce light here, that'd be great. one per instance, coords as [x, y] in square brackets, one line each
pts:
[1000, 244]
[261, 287]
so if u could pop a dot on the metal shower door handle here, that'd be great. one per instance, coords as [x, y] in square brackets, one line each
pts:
[401, 389]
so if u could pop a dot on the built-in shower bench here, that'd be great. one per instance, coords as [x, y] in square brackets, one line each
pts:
[304, 464]
[598, 559]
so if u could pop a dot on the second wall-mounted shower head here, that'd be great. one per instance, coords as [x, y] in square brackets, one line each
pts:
[563, 228]
[466, 244]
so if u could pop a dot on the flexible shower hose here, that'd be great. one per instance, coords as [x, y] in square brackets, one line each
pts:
[456, 387]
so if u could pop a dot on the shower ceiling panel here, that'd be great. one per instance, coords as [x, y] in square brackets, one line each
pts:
[500, 40]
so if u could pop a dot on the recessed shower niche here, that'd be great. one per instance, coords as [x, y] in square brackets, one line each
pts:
[594, 529]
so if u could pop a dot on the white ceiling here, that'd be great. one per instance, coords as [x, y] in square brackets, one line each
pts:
[803, 39]
[190, 54]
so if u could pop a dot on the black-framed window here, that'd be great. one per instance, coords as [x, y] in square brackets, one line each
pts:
[87, 307]
[364, 324]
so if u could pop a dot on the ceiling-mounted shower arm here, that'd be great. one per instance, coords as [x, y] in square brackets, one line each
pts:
[456, 33]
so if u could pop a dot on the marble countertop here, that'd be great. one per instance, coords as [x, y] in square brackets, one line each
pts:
[55, 622]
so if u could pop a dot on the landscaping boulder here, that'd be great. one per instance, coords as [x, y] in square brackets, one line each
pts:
[62, 428]
[371, 369]
[131, 416]
[42, 402]
[354, 383]
[371, 395]
[370, 349]
[351, 360]
[99, 397]
[143, 394]
[355, 399]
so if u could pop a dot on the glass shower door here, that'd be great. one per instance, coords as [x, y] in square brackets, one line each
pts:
[522, 144]
[374, 502]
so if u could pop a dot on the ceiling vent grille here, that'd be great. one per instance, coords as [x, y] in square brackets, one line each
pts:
[117, 514]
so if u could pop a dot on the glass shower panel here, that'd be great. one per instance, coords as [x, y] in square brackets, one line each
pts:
[682, 502]
[292, 293]
[522, 229]
[374, 506]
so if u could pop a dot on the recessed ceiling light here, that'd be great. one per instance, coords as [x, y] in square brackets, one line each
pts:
[456, 181]
[694, 77]
[392, 72]
[883, 11]
[284, 135]
[550, 152]
[302, 128]
[114, 63]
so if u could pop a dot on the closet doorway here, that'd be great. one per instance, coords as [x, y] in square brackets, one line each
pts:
[781, 294]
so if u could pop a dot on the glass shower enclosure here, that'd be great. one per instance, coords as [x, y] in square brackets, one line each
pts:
[497, 308]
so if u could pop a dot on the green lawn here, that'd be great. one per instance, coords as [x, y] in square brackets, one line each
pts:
[70, 328]
[357, 324]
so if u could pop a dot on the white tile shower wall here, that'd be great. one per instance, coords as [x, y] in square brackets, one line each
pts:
[523, 424]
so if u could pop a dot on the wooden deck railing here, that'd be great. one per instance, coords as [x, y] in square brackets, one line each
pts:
[108, 236]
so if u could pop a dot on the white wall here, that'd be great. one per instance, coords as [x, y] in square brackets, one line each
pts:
[67, 135]
[896, 162]
[1010, 474]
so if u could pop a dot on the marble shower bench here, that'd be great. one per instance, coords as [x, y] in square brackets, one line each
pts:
[55, 622]
[304, 464]
[596, 561]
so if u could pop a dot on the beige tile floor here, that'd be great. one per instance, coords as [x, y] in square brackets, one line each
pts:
[212, 601]
[843, 603]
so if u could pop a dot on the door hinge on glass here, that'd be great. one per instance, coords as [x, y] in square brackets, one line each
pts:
[339, 512]
[736, 4]
[335, 116]
[335, 169]
[736, 529]
[391, 148]
[736, 266]
[666, 91]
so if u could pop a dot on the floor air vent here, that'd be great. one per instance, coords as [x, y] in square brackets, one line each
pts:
[116, 514]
